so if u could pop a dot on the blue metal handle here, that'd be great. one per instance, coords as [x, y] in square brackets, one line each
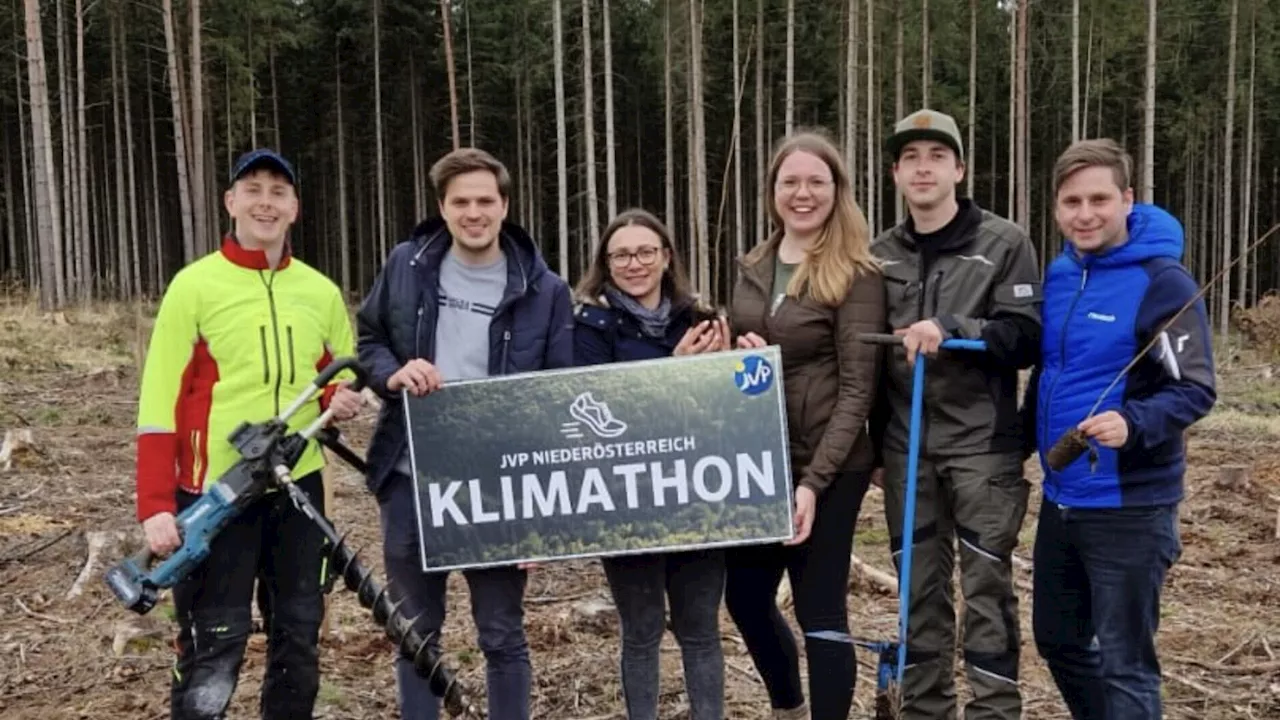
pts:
[909, 504]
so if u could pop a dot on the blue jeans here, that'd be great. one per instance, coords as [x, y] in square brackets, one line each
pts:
[497, 606]
[694, 582]
[1096, 608]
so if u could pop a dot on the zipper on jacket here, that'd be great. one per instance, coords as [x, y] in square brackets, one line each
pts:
[266, 367]
[937, 292]
[506, 341]
[275, 334]
[292, 365]
[1062, 352]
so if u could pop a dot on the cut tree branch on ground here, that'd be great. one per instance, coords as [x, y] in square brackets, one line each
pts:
[41, 616]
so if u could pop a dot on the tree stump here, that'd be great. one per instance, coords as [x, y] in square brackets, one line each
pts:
[1233, 477]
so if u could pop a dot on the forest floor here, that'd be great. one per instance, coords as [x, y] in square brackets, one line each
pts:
[68, 385]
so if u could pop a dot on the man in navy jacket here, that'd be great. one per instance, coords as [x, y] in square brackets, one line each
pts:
[1108, 527]
[467, 295]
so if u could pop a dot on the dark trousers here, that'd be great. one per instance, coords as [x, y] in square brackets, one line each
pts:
[213, 604]
[694, 583]
[497, 606]
[819, 573]
[1096, 608]
[980, 501]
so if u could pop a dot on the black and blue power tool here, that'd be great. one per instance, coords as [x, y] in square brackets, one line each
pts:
[268, 452]
[262, 447]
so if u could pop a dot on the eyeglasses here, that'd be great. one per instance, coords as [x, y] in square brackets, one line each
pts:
[646, 256]
[815, 185]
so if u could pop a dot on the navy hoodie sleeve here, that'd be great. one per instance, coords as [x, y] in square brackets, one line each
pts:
[560, 331]
[1180, 387]
[374, 338]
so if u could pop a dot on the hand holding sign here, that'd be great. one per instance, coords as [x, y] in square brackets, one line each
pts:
[750, 340]
[418, 376]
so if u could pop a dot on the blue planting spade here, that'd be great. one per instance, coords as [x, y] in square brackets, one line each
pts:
[893, 655]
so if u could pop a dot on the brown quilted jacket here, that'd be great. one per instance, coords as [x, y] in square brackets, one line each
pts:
[829, 377]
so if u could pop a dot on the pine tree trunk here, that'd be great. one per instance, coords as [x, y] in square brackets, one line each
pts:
[739, 237]
[380, 232]
[1228, 160]
[10, 222]
[1242, 270]
[873, 190]
[1149, 108]
[419, 190]
[32, 271]
[789, 119]
[445, 13]
[158, 278]
[275, 94]
[611, 168]
[472, 133]
[899, 95]
[344, 223]
[189, 248]
[48, 235]
[851, 91]
[1075, 70]
[761, 150]
[199, 197]
[926, 66]
[134, 251]
[81, 210]
[699, 159]
[589, 134]
[123, 267]
[74, 263]
[562, 173]
[1020, 138]
[668, 130]
[973, 96]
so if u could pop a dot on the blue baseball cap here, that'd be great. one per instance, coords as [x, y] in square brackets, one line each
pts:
[263, 158]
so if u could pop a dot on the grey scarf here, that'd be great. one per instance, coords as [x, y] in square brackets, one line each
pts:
[653, 323]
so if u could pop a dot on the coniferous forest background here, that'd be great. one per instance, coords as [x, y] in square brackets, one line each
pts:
[119, 119]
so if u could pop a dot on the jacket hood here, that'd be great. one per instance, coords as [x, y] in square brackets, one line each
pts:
[431, 238]
[1153, 233]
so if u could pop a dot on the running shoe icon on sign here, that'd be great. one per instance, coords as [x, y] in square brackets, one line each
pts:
[595, 415]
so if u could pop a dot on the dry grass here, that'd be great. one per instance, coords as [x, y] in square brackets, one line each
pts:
[74, 383]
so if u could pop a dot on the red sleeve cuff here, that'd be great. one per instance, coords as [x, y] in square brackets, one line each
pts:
[157, 479]
[326, 395]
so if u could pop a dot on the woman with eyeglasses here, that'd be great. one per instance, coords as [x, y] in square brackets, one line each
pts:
[810, 288]
[635, 304]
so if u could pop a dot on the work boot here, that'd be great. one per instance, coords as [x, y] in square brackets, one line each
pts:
[800, 713]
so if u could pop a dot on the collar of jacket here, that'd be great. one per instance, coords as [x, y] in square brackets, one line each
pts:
[524, 261]
[972, 217]
[252, 259]
[757, 266]
[692, 302]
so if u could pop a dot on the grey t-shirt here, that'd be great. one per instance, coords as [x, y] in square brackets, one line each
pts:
[466, 300]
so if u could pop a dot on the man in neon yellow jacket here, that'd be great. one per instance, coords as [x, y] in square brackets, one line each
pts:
[240, 332]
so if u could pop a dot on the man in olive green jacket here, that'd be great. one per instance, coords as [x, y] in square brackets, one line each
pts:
[954, 270]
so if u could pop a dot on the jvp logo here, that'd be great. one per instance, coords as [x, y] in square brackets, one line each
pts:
[753, 375]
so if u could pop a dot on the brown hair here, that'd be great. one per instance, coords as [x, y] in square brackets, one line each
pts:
[1103, 152]
[675, 284]
[843, 247]
[465, 160]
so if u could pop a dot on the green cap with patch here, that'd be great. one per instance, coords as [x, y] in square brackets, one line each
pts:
[926, 125]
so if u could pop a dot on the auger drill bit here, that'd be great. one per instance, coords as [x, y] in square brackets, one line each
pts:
[427, 660]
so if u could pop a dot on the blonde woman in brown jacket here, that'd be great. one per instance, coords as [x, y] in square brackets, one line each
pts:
[810, 289]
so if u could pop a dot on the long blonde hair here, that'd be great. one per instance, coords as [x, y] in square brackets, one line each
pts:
[842, 248]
